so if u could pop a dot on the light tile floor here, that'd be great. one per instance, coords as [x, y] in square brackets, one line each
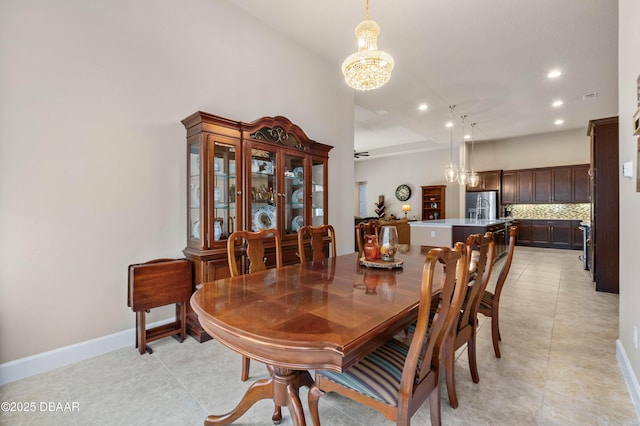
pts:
[558, 367]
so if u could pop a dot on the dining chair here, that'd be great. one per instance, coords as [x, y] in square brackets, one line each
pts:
[318, 241]
[490, 302]
[253, 246]
[370, 227]
[466, 327]
[396, 378]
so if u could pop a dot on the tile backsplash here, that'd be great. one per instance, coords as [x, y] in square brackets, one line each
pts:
[581, 211]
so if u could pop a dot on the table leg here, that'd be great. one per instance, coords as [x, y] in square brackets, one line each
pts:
[282, 387]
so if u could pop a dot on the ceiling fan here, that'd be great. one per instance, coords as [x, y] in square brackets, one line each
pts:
[358, 154]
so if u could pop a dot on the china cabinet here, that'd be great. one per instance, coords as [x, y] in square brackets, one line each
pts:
[248, 176]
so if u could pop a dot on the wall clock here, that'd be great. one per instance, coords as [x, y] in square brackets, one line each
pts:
[403, 192]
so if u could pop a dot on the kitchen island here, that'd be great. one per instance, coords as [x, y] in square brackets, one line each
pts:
[445, 232]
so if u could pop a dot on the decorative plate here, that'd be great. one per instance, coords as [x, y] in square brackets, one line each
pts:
[298, 172]
[297, 223]
[217, 230]
[297, 196]
[216, 165]
[195, 164]
[262, 166]
[195, 230]
[264, 217]
[195, 196]
[217, 195]
[381, 264]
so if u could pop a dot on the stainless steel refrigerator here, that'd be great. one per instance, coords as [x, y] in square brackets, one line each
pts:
[482, 205]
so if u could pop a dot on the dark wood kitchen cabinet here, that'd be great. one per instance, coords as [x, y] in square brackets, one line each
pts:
[560, 185]
[542, 185]
[523, 236]
[488, 181]
[517, 186]
[580, 183]
[551, 233]
[605, 208]
[552, 185]
[509, 187]
[524, 186]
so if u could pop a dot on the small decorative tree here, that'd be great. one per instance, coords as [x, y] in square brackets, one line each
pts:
[380, 207]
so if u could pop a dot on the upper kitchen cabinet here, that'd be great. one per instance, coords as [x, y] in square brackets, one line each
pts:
[580, 183]
[552, 185]
[488, 181]
[517, 186]
[562, 184]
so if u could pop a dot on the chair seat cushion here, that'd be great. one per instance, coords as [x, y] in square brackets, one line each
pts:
[377, 375]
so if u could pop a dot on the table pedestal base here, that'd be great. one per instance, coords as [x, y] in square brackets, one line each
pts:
[282, 387]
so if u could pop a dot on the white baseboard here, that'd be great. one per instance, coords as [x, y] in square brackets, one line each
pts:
[629, 376]
[46, 361]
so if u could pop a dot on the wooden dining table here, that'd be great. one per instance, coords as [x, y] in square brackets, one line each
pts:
[316, 315]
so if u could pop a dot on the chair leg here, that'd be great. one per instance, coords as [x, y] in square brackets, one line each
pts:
[495, 333]
[473, 363]
[314, 396]
[245, 368]
[450, 372]
[434, 406]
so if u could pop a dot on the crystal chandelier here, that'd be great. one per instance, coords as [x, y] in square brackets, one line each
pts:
[474, 179]
[368, 68]
[451, 171]
[463, 174]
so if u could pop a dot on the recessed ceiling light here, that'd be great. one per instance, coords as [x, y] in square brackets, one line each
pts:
[467, 136]
[558, 122]
[423, 107]
[554, 74]
[382, 111]
[449, 124]
[557, 103]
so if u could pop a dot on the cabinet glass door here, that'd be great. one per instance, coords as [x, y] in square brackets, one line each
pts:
[224, 190]
[294, 196]
[194, 192]
[317, 192]
[262, 184]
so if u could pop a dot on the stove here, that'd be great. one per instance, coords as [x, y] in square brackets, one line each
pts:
[585, 227]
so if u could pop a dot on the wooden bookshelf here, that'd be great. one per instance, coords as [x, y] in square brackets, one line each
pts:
[433, 202]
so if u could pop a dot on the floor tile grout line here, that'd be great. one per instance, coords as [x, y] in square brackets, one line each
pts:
[67, 390]
[181, 383]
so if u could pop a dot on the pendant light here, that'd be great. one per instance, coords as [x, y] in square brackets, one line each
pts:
[368, 68]
[474, 179]
[451, 171]
[462, 175]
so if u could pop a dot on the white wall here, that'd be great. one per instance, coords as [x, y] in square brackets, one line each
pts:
[383, 175]
[629, 72]
[541, 150]
[92, 151]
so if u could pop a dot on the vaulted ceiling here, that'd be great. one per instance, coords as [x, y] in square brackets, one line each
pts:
[490, 58]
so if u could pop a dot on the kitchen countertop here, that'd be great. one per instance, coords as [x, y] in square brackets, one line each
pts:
[544, 218]
[448, 223]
